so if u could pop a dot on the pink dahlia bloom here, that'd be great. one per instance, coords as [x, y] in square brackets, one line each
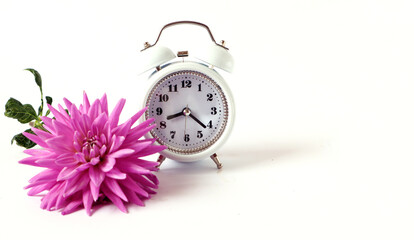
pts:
[89, 158]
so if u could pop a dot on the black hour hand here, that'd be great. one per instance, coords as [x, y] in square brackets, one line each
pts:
[174, 115]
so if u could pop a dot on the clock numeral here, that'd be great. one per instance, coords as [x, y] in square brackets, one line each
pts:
[199, 87]
[213, 111]
[199, 134]
[163, 124]
[164, 98]
[210, 97]
[186, 137]
[159, 111]
[185, 83]
[210, 124]
[172, 88]
[172, 133]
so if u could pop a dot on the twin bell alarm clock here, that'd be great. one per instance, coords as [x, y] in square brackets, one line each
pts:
[190, 101]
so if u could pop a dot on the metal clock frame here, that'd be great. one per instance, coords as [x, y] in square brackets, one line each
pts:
[206, 151]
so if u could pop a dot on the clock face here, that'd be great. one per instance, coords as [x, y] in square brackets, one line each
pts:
[190, 111]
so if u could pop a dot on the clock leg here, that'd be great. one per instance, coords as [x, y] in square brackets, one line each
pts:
[216, 161]
[161, 159]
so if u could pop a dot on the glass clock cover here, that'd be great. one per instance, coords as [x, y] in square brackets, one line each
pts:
[190, 110]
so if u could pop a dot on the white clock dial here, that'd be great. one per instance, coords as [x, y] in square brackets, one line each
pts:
[190, 111]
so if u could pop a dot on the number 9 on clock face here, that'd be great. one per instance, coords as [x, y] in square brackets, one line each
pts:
[190, 111]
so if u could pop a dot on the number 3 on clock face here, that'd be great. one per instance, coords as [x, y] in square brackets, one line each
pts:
[190, 111]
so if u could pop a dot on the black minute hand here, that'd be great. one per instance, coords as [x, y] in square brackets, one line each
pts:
[198, 121]
[174, 115]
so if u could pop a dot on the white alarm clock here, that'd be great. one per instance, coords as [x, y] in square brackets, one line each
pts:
[190, 101]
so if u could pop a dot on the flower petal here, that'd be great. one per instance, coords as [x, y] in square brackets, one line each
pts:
[150, 165]
[134, 135]
[131, 167]
[113, 185]
[48, 174]
[59, 116]
[123, 129]
[114, 199]
[114, 117]
[48, 125]
[134, 186]
[46, 163]
[107, 164]
[72, 207]
[35, 139]
[99, 123]
[116, 142]
[76, 184]
[79, 157]
[63, 129]
[67, 173]
[152, 178]
[44, 135]
[61, 201]
[95, 160]
[94, 191]
[68, 103]
[49, 201]
[30, 161]
[95, 109]
[102, 151]
[63, 112]
[150, 150]
[138, 115]
[77, 121]
[96, 175]
[38, 189]
[122, 153]
[140, 145]
[86, 104]
[145, 181]
[133, 197]
[37, 183]
[116, 174]
[87, 201]
[83, 167]
[66, 160]
[37, 152]
[104, 104]
[60, 144]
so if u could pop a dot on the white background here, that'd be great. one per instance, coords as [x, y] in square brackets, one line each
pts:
[323, 142]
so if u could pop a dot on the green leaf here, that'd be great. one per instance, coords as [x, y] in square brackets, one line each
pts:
[23, 113]
[40, 110]
[49, 100]
[38, 80]
[23, 141]
[37, 76]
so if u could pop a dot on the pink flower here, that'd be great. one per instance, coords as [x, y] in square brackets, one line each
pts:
[89, 158]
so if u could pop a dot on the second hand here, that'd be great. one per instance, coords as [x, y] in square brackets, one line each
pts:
[186, 111]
